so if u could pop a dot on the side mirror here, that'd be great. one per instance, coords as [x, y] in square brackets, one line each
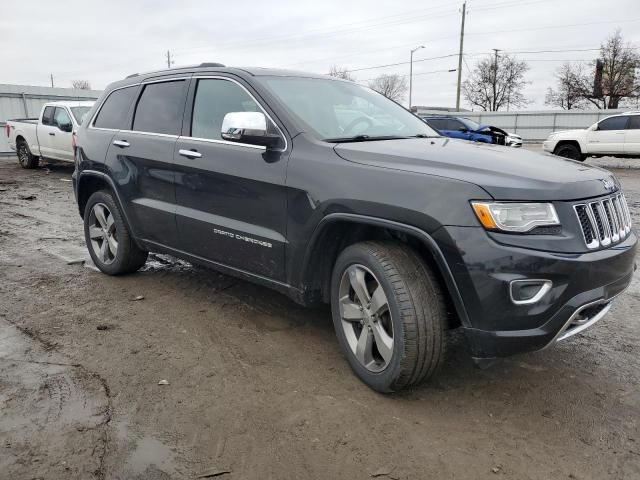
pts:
[65, 127]
[248, 127]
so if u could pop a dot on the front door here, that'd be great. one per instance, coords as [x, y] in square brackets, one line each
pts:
[608, 137]
[46, 132]
[61, 138]
[230, 197]
[632, 136]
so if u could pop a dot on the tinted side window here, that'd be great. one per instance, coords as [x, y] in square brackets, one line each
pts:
[213, 100]
[160, 108]
[438, 123]
[47, 116]
[61, 117]
[113, 113]
[613, 123]
[634, 122]
[454, 124]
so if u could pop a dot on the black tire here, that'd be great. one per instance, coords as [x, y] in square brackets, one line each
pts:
[417, 310]
[569, 150]
[128, 257]
[25, 157]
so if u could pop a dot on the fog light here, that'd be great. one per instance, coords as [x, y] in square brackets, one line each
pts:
[526, 292]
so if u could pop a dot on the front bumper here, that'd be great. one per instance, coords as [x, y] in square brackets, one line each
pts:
[583, 286]
[549, 145]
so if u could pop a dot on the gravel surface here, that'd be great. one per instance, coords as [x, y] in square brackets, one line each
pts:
[206, 374]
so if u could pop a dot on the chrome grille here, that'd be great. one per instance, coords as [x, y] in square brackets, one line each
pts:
[605, 221]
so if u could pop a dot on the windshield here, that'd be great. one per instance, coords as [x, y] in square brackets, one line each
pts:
[470, 124]
[79, 113]
[335, 110]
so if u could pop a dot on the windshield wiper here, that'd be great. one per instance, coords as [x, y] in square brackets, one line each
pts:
[363, 138]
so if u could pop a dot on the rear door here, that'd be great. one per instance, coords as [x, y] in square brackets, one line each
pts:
[61, 147]
[46, 132]
[231, 197]
[609, 136]
[140, 159]
[632, 136]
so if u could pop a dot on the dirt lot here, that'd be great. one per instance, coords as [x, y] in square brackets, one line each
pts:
[257, 386]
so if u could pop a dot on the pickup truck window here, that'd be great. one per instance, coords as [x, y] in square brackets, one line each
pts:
[336, 109]
[61, 117]
[213, 100]
[47, 116]
[113, 113]
[160, 108]
[79, 113]
[613, 123]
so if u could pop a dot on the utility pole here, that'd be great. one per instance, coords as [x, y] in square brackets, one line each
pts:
[411, 73]
[169, 59]
[464, 14]
[495, 78]
[52, 80]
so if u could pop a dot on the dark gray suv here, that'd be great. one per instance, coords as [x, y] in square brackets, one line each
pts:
[328, 192]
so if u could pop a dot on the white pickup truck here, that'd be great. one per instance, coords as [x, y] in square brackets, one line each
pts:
[48, 136]
[614, 136]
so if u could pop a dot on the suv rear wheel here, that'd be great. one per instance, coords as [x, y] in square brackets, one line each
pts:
[108, 239]
[389, 314]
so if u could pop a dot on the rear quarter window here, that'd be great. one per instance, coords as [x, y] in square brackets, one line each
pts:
[114, 111]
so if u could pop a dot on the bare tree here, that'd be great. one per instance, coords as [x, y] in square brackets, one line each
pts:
[391, 86]
[496, 81]
[81, 84]
[616, 81]
[570, 84]
[341, 72]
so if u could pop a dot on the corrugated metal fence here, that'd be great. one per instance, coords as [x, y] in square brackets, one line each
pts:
[24, 101]
[533, 126]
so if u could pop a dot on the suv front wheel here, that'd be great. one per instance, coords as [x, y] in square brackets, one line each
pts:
[389, 314]
[108, 238]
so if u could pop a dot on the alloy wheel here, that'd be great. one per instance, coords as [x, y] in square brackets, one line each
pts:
[366, 318]
[103, 234]
[23, 154]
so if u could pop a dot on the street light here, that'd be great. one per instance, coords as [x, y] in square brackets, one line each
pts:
[411, 73]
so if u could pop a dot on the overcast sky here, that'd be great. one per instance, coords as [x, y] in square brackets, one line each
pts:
[105, 41]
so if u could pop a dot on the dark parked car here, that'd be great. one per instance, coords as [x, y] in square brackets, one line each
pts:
[467, 129]
[329, 192]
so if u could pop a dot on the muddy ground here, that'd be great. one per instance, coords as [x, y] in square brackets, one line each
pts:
[257, 386]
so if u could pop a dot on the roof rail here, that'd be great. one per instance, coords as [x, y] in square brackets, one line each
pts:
[212, 64]
[132, 75]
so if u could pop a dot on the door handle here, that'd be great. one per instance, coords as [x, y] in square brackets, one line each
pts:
[190, 153]
[52, 133]
[121, 143]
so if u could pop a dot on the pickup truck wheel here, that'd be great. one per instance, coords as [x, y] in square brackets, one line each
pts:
[108, 239]
[25, 157]
[569, 150]
[389, 314]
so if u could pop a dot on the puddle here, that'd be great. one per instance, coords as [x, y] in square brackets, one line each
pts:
[150, 454]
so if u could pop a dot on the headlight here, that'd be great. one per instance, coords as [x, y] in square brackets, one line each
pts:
[514, 217]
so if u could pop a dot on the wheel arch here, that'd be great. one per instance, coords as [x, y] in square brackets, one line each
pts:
[337, 231]
[561, 143]
[89, 182]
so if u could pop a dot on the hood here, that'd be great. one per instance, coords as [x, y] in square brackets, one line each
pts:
[506, 174]
[560, 132]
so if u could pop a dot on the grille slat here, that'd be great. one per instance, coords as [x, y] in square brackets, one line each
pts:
[605, 221]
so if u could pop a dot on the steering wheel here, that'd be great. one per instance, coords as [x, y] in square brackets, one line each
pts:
[357, 121]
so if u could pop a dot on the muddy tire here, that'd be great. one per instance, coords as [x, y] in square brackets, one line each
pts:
[569, 150]
[389, 314]
[25, 157]
[108, 238]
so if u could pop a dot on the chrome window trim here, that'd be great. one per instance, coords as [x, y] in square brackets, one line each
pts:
[151, 134]
[225, 142]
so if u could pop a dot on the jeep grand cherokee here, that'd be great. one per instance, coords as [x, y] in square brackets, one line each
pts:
[328, 192]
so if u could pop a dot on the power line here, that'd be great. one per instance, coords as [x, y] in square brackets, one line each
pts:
[400, 63]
